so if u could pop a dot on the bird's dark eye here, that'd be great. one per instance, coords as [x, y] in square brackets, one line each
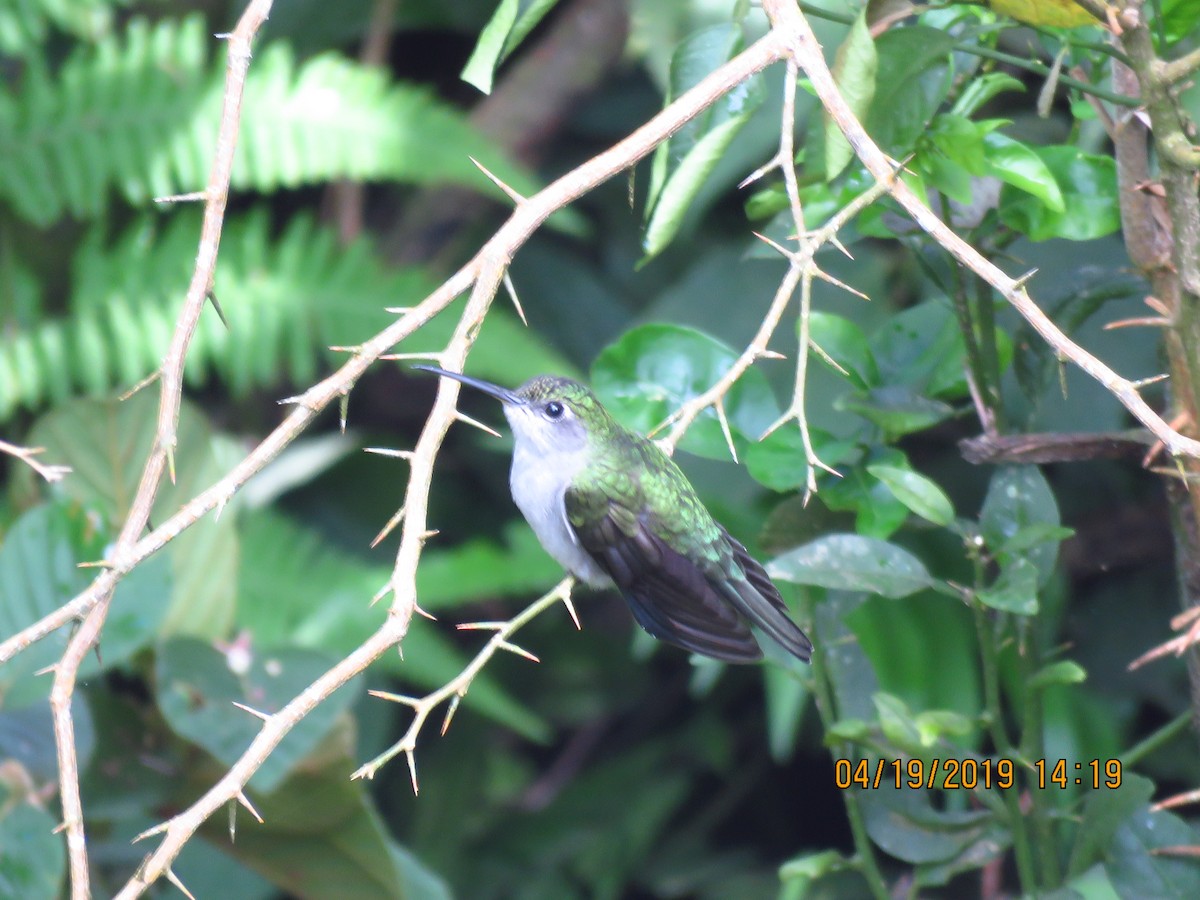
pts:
[554, 410]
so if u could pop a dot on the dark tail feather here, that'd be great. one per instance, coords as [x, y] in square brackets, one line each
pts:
[757, 598]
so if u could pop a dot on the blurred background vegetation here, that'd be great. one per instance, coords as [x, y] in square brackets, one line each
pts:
[960, 610]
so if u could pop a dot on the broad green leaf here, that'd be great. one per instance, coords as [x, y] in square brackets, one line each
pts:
[778, 462]
[39, 572]
[1104, 811]
[33, 859]
[1016, 164]
[951, 154]
[510, 23]
[1137, 865]
[653, 370]
[685, 182]
[197, 687]
[912, 80]
[854, 67]
[855, 563]
[905, 825]
[106, 443]
[1015, 590]
[897, 637]
[682, 165]
[1018, 497]
[880, 514]
[896, 722]
[1093, 884]
[846, 344]
[917, 492]
[1088, 186]
[897, 409]
[27, 737]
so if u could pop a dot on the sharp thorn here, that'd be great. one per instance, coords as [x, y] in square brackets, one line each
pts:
[343, 411]
[190, 197]
[513, 195]
[402, 699]
[250, 709]
[412, 770]
[174, 879]
[150, 832]
[388, 451]
[516, 301]
[211, 297]
[387, 529]
[145, 382]
[566, 599]
[519, 651]
[451, 709]
[464, 418]
[245, 801]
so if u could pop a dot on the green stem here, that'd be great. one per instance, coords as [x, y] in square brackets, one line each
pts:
[990, 664]
[1033, 747]
[1164, 735]
[822, 688]
[1028, 65]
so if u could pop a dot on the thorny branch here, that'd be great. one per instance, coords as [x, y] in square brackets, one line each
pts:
[788, 39]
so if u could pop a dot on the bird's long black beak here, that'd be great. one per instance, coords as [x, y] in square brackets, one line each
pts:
[504, 395]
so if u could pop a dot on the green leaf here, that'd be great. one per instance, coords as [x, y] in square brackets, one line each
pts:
[197, 687]
[1062, 672]
[106, 443]
[854, 67]
[904, 824]
[1104, 811]
[323, 837]
[682, 165]
[845, 343]
[1137, 865]
[912, 80]
[1088, 187]
[778, 461]
[897, 409]
[1015, 590]
[653, 370]
[799, 872]
[917, 492]
[510, 23]
[33, 858]
[786, 697]
[1016, 164]
[982, 88]
[39, 572]
[1018, 497]
[855, 563]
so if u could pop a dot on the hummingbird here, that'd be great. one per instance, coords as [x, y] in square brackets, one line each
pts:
[614, 510]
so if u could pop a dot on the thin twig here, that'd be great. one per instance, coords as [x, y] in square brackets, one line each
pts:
[51, 473]
[162, 455]
[457, 687]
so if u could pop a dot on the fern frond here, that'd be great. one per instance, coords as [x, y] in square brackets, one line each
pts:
[140, 112]
[287, 299]
[25, 24]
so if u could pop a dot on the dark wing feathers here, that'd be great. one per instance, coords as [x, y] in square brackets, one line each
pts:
[668, 595]
[677, 601]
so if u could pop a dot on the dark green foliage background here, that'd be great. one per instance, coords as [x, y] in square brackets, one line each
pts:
[958, 610]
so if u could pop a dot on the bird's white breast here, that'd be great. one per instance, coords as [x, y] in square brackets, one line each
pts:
[539, 482]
